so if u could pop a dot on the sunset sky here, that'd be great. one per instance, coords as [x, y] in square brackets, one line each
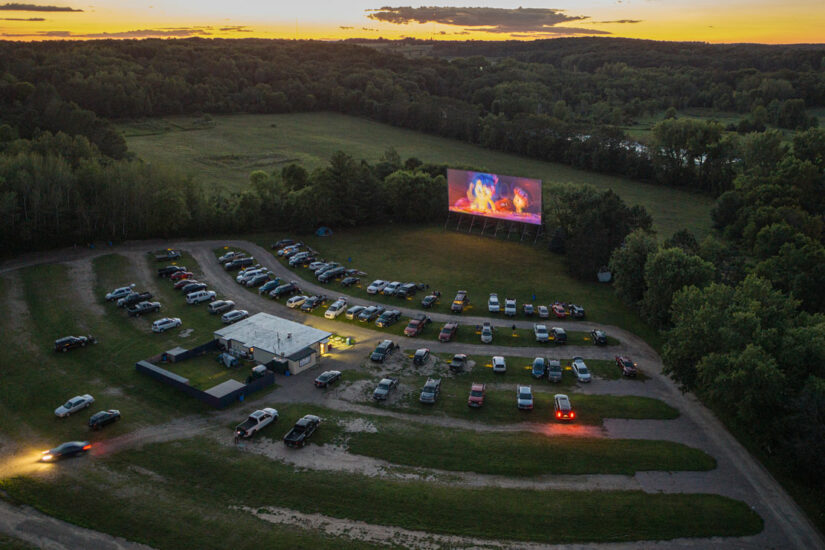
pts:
[791, 21]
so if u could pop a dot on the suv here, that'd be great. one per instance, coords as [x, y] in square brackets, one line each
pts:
[430, 391]
[383, 351]
[627, 366]
[564, 410]
[448, 332]
[376, 286]
[430, 300]
[384, 387]
[133, 298]
[371, 313]
[493, 305]
[220, 306]
[539, 367]
[541, 333]
[524, 398]
[528, 310]
[391, 289]
[406, 290]
[509, 307]
[119, 293]
[336, 309]
[577, 312]
[421, 356]
[476, 398]
[354, 312]
[70, 342]
[599, 337]
[388, 318]
[499, 365]
[169, 270]
[200, 296]
[313, 302]
[458, 362]
[234, 316]
[286, 289]
[331, 274]
[487, 333]
[554, 370]
[559, 335]
[460, 301]
[162, 325]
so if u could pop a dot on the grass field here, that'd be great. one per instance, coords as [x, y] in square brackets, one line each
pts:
[223, 155]
[449, 261]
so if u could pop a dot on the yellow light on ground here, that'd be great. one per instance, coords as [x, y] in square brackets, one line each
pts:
[489, 366]
[586, 338]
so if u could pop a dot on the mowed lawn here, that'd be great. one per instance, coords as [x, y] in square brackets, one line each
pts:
[223, 155]
[449, 261]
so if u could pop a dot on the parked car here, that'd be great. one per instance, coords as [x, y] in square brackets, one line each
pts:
[421, 356]
[580, 370]
[559, 310]
[316, 265]
[599, 337]
[200, 296]
[539, 367]
[238, 263]
[289, 249]
[458, 362]
[524, 398]
[66, 450]
[331, 274]
[376, 286]
[162, 325]
[269, 286]
[313, 302]
[370, 313]
[430, 300]
[296, 301]
[118, 293]
[142, 308]
[229, 255]
[564, 410]
[169, 270]
[406, 290]
[193, 287]
[327, 378]
[461, 301]
[71, 342]
[486, 333]
[256, 280]
[220, 306]
[499, 364]
[337, 308]
[286, 289]
[256, 421]
[430, 391]
[544, 313]
[167, 255]
[73, 405]
[282, 243]
[388, 318]
[509, 307]
[104, 418]
[554, 370]
[541, 333]
[354, 312]
[234, 316]
[385, 386]
[349, 281]
[577, 312]
[476, 398]
[303, 429]
[416, 325]
[627, 366]
[382, 351]
[178, 285]
[558, 335]
[247, 274]
[133, 298]
[448, 332]
[391, 288]
[528, 310]
[493, 305]
[178, 275]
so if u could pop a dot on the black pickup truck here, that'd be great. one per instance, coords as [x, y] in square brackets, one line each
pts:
[166, 255]
[305, 427]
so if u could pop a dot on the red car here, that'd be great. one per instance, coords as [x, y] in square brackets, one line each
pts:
[627, 366]
[448, 332]
[180, 275]
[559, 311]
[476, 398]
[183, 282]
[416, 325]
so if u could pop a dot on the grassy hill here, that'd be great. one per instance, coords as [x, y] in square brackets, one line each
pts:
[223, 153]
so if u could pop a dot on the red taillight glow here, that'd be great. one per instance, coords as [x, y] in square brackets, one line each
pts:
[87, 447]
[572, 414]
[558, 414]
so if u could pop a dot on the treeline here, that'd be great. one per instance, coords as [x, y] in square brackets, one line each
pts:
[744, 310]
[557, 100]
[58, 190]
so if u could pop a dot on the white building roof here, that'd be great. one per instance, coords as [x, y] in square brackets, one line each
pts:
[272, 334]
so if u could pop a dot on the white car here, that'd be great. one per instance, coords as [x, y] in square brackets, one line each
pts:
[73, 405]
[162, 325]
[510, 308]
[234, 316]
[231, 255]
[391, 288]
[336, 308]
[544, 312]
[541, 333]
[200, 296]
[499, 365]
[376, 286]
[486, 333]
[524, 397]
[296, 301]
[580, 370]
[493, 305]
[313, 266]
[119, 293]
[248, 274]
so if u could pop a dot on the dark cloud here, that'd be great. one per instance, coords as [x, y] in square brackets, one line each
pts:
[141, 33]
[33, 7]
[21, 19]
[369, 29]
[235, 28]
[620, 21]
[525, 21]
[343, 28]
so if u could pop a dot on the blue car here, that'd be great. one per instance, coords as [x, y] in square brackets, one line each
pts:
[269, 285]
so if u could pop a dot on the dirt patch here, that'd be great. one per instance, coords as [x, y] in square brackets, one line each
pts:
[154, 476]
[356, 391]
[377, 534]
[18, 310]
[113, 391]
[82, 278]
[356, 425]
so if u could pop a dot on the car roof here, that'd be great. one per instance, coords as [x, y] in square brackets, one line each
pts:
[498, 359]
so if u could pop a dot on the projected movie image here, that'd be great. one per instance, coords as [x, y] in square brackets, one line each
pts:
[494, 196]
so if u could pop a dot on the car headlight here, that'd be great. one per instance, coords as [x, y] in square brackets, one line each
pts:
[46, 456]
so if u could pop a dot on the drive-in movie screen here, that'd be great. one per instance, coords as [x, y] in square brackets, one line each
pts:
[501, 197]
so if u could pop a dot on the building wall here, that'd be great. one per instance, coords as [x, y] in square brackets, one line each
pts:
[308, 362]
[262, 357]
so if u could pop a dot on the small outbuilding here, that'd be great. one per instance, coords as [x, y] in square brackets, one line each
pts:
[268, 338]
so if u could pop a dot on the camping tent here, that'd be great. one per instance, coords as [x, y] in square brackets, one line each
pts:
[323, 231]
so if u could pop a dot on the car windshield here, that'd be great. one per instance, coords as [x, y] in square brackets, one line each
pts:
[525, 396]
[383, 386]
[476, 393]
[69, 404]
[582, 369]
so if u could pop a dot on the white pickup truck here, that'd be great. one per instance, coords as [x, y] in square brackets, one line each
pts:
[255, 423]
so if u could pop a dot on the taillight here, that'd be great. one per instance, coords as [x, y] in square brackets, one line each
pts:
[558, 414]
[87, 447]
[572, 414]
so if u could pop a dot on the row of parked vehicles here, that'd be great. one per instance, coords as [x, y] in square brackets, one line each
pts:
[325, 272]
[560, 310]
[96, 422]
[297, 436]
